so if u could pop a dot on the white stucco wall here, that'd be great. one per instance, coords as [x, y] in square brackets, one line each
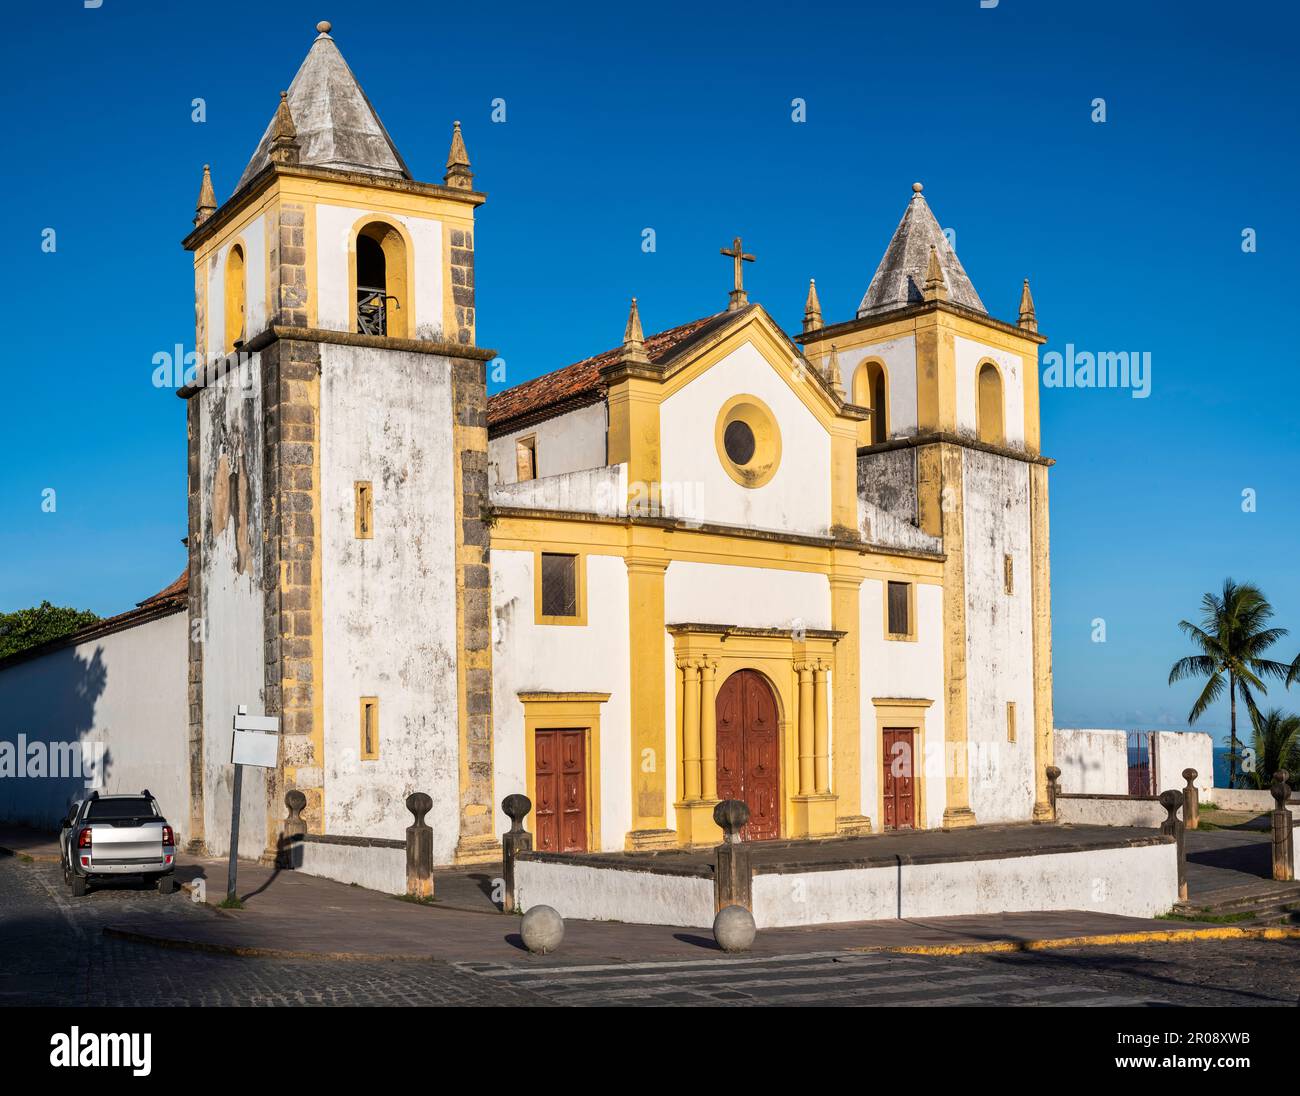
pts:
[591, 658]
[388, 604]
[747, 597]
[1093, 760]
[999, 636]
[253, 238]
[902, 669]
[600, 490]
[1179, 750]
[566, 443]
[1108, 811]
[377, 868]
[607, 894]
[124, 694]
[968, 354]
[335, 251]
[899, 358]
[798, 496]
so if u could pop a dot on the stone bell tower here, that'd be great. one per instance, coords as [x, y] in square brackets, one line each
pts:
[337, 474]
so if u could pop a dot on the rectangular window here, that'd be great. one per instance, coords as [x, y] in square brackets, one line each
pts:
[899, 609]
[369, 728]
[1008, 575]
[365, 510]
[1011, 720]
[526, 459]
[559, 585]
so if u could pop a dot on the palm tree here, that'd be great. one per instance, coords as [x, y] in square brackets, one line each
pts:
[1232, 638]
[1276, 742]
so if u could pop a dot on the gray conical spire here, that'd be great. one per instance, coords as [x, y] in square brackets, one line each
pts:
[336, 125]
[901, 276]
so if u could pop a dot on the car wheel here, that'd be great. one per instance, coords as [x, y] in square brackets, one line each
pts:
[78, 886]
[166, 884]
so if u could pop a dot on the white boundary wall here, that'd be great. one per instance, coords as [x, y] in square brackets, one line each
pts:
[1094, 761]
[377, 867]
[1103, 810]
[613, 894]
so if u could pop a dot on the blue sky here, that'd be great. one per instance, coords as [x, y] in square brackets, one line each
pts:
[679, 119]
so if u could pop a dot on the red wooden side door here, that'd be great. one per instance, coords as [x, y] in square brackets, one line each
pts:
[899, 772]
[749, 752]
[561, 783]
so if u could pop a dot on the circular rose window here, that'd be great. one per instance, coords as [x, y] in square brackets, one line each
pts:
[749, 443]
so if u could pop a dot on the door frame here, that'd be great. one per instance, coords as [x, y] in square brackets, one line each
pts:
[903, 714]
[565, 712]
[781, 729]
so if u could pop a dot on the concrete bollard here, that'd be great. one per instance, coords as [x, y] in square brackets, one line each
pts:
[288, 853]
[517, 840]
[1283, 838]
[542, 930]
[1173, 827]
[1191, 801]
[733, 873]
[419, 848]
[1053, 787]
[734, 929]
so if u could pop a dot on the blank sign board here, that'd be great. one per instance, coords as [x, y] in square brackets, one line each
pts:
[256, 741]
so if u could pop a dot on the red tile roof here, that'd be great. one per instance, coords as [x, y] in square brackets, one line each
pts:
[580, 384]
[177, 590]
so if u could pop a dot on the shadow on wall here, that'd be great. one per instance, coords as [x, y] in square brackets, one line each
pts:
[48, 753]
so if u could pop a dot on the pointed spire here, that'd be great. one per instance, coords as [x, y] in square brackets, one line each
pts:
[1028, 319]
[633, 339]
[458, 172]
[833, 374]
[284, 134]
[935, 287]
[812, 310]
[207, 199]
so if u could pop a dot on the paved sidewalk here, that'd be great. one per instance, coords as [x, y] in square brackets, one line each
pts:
[24, 841]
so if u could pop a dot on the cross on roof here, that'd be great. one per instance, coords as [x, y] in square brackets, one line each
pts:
[738, 255]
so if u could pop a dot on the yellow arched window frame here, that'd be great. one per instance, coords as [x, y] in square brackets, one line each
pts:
[990, 403]
[398, 311]
[236, 297]
[871, 389]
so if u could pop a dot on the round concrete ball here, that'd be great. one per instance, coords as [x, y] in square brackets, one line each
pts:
[542, 930]
[734, 928]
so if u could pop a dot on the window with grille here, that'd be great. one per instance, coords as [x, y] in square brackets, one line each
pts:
[559, 585]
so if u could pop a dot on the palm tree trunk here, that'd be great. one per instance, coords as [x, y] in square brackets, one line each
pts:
[1232, 731]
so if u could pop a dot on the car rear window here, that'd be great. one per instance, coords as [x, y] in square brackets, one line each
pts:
[107, 810]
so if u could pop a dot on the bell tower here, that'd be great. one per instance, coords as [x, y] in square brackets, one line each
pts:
[337, 477]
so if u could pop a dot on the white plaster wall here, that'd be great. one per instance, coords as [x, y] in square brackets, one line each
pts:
[566, 443]
[375, 867]
[1246, 799]
[748, 597]
[233, 607]
[999, 636]
[1179, 750]
[253, 236]
[899, 356]
[334, 254]
[127, 695]
[796, 499]
[609, 894]
[1093, 760]
[897, 669]
[968, 354]
[594, 658]
[1104, 811]
[592, 491]
[389, 603]
[1131, 882]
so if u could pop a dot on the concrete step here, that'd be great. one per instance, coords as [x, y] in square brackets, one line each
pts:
[1233, 899]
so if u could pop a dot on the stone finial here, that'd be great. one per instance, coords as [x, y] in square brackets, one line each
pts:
[458, 173]
[296, 803]
[634, 338]
[1171, 801]
[419, 804]
[833, 376]
[1053, 784]
[1191, 800]
[284, 134]
[292, 830]
[207, 199]
[916, 189]
[513, 842]
[1190, 775]
[812, 309]
[516, 808]
[1281, 788]
[323, 26]
[732, 815]
[936, 289]
[1028, 321]
[419, 847]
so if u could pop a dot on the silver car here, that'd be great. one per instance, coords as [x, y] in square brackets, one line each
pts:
[113, 835]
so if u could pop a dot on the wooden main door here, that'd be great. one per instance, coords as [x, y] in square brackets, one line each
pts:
[561, 784]
[899, 782]
[749, 752]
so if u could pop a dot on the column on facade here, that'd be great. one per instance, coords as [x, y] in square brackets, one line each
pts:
[690, 729]
[807, 781]
[708, 729]
[821, 731]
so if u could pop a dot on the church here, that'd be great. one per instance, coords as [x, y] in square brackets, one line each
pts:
[807, 570]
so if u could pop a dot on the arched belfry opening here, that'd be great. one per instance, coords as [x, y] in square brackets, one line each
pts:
[383, 302]
[236, 299]
[988, 413]
[869, 390]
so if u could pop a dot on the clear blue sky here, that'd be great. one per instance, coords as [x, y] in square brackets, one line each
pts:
[677, 117]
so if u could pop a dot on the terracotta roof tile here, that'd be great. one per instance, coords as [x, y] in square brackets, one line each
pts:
[178, 589]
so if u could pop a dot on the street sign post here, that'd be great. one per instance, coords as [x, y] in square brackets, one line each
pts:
[256, 742]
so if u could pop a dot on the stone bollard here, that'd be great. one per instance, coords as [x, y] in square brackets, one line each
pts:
[1173, 827]
[514, 842]
[1053, 787]
[1191, 801]
[1283, 839]
[419, 848]
[733, 874]
[289, 851]
[542, 930]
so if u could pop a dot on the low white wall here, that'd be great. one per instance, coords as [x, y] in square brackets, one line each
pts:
[1245, 799]
[612, 894]
[376, 867]
[1091, 761]
[1179, 750]
[1135, 882]
[1106, 811]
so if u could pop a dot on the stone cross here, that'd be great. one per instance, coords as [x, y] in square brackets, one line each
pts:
[738, 255]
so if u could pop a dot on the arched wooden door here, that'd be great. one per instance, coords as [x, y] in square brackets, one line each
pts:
[749, 751]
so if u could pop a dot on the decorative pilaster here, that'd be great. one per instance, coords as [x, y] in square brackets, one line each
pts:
[690, 729]
[708, 730]
[645, 582]
[699, 768]
[806, 777]
[813, 813]
[821, 732]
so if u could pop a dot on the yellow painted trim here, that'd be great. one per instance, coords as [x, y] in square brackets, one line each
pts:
[371, 754]
[1001, 438]
[905, 714]
[866, 428]
[580, 582]
[648, 703]
[363, 525]
[235, 295]
[1094, 940]
[1011, 721]
[902, 637]
[566, 711]
[405, 310]
[755, 414]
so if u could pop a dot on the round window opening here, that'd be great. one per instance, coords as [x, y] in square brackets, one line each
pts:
[738, 441]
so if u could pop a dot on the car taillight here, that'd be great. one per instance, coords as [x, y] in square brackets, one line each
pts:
[168, 837]
[83, 839]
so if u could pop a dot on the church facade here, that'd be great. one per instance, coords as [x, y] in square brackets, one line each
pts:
[807, 570]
